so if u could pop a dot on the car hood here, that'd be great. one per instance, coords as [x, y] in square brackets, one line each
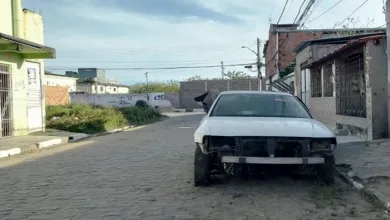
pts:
[268, 126]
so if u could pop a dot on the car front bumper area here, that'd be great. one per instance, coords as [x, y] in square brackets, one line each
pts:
[274, 160]
[272, 150]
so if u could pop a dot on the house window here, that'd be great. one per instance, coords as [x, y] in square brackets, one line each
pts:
[101, 88]
[316, 83]
[351, 88]
[328, 82]
[114, 89]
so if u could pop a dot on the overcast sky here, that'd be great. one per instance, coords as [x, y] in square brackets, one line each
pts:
[171, 33]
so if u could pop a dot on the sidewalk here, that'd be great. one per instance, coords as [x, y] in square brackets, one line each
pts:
[35, 141]
[366, 165]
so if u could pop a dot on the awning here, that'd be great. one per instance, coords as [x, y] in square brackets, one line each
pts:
[28, 49]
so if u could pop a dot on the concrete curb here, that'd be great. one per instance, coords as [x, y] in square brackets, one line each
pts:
[57, 141]
[358, 185]
[77, 137]
[10, 152]
[112, 131]
[49, 143]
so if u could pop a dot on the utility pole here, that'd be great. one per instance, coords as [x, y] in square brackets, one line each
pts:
[147, 86]
[259, 76]
[258, 64]
[222, 70]
[387, 54]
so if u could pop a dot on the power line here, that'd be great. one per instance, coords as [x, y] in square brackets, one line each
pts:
[161, 68]
[310, 13]
[272, 11]
[325, 11]
[281, 14]
[306, 11]
[169, 48]
[351, 14]
[288, 34]
[159, 61]
[288, 9]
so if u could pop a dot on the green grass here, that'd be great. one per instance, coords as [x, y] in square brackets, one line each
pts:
[325, 196]
[91, 119]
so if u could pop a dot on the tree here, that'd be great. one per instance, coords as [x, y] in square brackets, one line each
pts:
[289, 69]
[48, 72]
[194, 78]
[237, 75]
[353, 23]
[168, 86]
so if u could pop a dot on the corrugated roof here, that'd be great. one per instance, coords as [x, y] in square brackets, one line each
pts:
[346, 46]
[333, 40]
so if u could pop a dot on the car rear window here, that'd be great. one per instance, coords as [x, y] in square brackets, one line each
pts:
[259, 105]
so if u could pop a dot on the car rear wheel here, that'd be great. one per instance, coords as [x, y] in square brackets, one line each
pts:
[326, 171]
[201, 168]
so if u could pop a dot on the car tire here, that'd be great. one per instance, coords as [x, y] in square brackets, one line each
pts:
[326, 171]
[201, 168]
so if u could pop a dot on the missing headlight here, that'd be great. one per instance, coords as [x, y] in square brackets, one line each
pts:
[321, 145]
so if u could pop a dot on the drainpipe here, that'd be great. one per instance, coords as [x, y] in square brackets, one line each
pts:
[17, 18]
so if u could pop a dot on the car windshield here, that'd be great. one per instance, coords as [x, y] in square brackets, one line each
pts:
[259, 105]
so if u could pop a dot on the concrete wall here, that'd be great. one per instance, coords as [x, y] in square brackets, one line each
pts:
[69, 82]
[6, 17]
[33, 27]
[56, 95]
[318, 51]
[301, 57]
[324, 110]
[173, 98]
[192, 89]
[377, 86]
[159, 100]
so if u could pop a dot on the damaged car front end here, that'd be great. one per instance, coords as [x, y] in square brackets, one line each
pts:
[229, 139]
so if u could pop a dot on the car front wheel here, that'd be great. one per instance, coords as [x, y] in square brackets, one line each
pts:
[326, 171]
[201, 168]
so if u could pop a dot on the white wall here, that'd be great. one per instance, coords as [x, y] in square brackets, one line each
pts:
[102, 89]
[6, 17]
[120, 100]
[50, 80]
[123, 89]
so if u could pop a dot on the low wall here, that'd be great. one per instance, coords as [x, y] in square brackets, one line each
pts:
[56, 95]
[160, 100]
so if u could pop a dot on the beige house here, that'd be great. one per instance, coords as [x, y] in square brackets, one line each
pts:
[22, 54]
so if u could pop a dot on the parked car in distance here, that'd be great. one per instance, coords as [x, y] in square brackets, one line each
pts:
[244, 128]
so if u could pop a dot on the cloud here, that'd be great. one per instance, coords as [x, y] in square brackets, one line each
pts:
[175, 9]
[155, 33]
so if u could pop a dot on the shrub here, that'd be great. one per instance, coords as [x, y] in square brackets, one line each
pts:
[94, 119]
[141, 103]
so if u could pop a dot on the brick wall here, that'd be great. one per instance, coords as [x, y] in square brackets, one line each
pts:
[56, 95]
[286, 55]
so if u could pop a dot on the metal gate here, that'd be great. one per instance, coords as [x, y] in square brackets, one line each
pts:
[5, 101]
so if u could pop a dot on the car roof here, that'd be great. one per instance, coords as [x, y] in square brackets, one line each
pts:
[255, 92]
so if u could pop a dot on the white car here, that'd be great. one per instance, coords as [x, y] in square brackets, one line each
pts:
[260, 127]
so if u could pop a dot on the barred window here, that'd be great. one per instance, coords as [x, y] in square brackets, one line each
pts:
[351, 88]
[315, 81]
[328, 82]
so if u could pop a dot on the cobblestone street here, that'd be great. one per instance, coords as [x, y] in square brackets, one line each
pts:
[147, 174]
